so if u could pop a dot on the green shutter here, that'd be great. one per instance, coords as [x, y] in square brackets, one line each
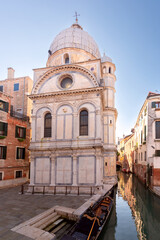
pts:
[4, 152]
[23, 153]
[153, 104]
[16, 132]
[17, 157]
[5, 129]
[24, 133]
[6, 106]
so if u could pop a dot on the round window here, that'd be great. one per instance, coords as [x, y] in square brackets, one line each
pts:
[66, 82]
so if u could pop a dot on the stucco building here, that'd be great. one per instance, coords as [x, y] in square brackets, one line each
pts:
[142, 148]
[74, 114]
[147, 141]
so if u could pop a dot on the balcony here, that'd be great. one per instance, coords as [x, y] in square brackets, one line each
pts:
[19, 116]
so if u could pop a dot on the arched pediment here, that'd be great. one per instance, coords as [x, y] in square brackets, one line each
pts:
[61, 69]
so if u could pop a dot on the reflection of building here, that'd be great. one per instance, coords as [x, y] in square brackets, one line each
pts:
[122, 152]
[14, 143]
[74, 115]
[144, 205]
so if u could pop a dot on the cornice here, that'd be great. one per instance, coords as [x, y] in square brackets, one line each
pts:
[66, 92]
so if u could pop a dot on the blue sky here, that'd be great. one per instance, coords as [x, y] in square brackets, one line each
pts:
[127, 30]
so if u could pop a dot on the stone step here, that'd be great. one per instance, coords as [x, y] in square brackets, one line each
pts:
[59, 227]
[45, 219]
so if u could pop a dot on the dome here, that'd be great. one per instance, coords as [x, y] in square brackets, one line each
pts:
[105, 58]
[75, 37]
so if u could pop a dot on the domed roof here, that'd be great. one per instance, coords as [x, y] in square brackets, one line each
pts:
[75, 37]
[105, 58]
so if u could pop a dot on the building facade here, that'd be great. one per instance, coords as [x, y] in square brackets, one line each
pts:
[74, 115]
[143, 146]
[19, 89]
[147, 141]
[14, 143]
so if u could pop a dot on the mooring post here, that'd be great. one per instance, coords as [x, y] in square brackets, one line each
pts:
[22, 189]
[33, 190]
[91, 191]
[78, 190]
[43, 189]
[55, 190]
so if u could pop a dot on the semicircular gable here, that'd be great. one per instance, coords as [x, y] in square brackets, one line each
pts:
[88, 105]
[60, 69]
[42, 110]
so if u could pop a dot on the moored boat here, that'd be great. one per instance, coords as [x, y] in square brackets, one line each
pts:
[92, 220]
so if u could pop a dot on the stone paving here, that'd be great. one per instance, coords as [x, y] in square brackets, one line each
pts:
[16, 208]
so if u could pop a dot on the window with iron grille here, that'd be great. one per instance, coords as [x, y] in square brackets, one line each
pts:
[83, 123]
[18, 174]
[47, 125]
[157, 129]
[20, 153]
[3, 129]
[20, 132]
[3, 152]
[4, 106]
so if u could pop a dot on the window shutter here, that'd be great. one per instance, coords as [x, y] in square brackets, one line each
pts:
[153, 104]
[17, 153]
[6, 106]
[4, 152]
[5, 128]
[23, 153]
[16, 132]
[24, 133]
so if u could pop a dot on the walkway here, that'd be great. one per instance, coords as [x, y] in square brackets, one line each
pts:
[16, 209]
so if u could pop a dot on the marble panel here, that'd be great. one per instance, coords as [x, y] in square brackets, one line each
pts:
[86, 170]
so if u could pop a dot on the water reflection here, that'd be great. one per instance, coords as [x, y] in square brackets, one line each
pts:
[136, 214]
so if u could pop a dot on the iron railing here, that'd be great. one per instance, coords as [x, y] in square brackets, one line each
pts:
[19, 115]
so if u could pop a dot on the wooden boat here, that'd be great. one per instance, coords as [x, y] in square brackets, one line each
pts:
[93, 220]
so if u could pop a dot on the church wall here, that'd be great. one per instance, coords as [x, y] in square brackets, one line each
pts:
[83, 167]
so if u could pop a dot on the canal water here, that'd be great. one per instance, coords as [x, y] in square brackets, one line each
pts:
[136, 214]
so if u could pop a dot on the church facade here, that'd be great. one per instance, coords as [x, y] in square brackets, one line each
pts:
[74, 114]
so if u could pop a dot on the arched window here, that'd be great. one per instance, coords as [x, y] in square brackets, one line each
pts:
[109, 69]
[47, 125]
[66, 58]
[104, 69]
[83, 123]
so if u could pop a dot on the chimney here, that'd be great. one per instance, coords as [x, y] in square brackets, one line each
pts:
[10, 73]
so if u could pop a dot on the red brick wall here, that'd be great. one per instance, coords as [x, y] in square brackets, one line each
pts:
[140, 172]
[10, 164]
[156, 177]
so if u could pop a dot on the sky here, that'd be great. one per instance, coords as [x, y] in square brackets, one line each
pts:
[126, 30]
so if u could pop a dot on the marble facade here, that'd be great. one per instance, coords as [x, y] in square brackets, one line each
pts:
[68, 157]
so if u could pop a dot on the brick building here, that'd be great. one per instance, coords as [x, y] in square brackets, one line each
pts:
[15, 109]
[19, 88]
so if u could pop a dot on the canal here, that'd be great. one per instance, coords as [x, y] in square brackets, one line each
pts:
[136, 214]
